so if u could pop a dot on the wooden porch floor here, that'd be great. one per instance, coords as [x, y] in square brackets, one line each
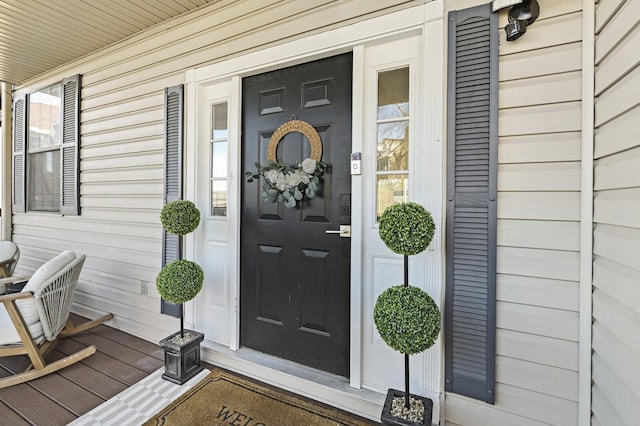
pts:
[120, 361]
[59, 398]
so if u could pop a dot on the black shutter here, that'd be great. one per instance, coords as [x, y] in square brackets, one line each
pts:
[70, 154]
[173, 146]
[18, 199]
[470, 319]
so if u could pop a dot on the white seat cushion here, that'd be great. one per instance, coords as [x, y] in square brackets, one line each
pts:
[8, 249]
[8, 333]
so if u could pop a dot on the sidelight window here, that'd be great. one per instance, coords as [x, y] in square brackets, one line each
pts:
[219, 145]
[392, 141]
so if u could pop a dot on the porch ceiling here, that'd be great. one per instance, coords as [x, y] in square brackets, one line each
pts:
[38, 35]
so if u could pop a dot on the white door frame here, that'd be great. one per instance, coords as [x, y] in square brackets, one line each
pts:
[428, 19]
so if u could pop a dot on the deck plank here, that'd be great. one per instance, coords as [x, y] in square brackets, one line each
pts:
[116, 369]
[9, 417]
[98, 382]
[120, 352]
[149, 348]
[35, 407]
[66, 393]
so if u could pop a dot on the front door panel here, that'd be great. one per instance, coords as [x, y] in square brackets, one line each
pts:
[294, 275]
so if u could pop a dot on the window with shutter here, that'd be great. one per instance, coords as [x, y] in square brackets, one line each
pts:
[46, 141]
[471, 203]
[173, 147]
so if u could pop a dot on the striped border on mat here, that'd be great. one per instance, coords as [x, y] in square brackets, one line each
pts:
[138, 403]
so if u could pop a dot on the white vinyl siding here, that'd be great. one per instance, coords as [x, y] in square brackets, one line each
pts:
[538, 226]
[616, 266]
[122, 144]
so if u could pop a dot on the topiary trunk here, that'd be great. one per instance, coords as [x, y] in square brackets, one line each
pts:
[406, 356]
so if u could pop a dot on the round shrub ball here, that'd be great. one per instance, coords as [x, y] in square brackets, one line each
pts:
[180, 217]
[406, 228]
[180, 281]
[407, 319]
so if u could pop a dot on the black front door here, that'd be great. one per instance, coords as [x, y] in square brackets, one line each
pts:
[294, 276]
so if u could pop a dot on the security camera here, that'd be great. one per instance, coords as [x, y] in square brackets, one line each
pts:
[520, 17]
[515, 29]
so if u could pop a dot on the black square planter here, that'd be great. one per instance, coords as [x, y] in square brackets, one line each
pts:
[387, 419]
[181, 360]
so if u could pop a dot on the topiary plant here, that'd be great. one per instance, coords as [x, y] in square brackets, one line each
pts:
[180, 217]
[406, 317]
[406, 228]
[181, 280]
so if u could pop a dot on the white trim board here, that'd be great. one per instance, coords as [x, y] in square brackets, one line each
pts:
[586, 212]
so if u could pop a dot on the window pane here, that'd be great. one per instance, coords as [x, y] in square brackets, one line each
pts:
[219, 198]
[391, 189]
[219, 121]
[44, 117]
[219, 157]
[393, 146]
[219, 160]
[44, 181]
[393, 93]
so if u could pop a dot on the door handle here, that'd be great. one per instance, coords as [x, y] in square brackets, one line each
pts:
[345, 231]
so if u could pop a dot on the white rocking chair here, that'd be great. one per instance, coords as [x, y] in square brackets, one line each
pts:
[32, 320]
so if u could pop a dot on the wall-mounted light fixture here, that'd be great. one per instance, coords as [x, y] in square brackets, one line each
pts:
[520, 17]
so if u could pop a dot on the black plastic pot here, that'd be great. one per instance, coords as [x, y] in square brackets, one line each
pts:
[181, 360]
[387, 419]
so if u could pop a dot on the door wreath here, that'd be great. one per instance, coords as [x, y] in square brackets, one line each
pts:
[282, 182]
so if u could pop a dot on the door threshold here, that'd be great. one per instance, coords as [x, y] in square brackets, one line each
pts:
[309, 382]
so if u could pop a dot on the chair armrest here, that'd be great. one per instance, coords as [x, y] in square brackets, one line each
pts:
[14, 279]
[6, 298]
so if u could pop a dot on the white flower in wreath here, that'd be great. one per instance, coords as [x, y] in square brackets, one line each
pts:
[303, 176]
[281, 182]
[309, 165]
[292, 179]
[271, 175]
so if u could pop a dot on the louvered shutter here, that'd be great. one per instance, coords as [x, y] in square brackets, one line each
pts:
[70, 154]
[173, 139]
[18, 199]
[471, 203]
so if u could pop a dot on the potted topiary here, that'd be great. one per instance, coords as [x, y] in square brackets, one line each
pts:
[178, 282]
[406, 317]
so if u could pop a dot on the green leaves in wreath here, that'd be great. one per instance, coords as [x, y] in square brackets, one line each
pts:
[180, 281]
[180, 217]
[406, 228]
[407, 319]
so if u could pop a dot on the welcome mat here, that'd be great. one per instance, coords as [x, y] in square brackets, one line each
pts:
[226, 399]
